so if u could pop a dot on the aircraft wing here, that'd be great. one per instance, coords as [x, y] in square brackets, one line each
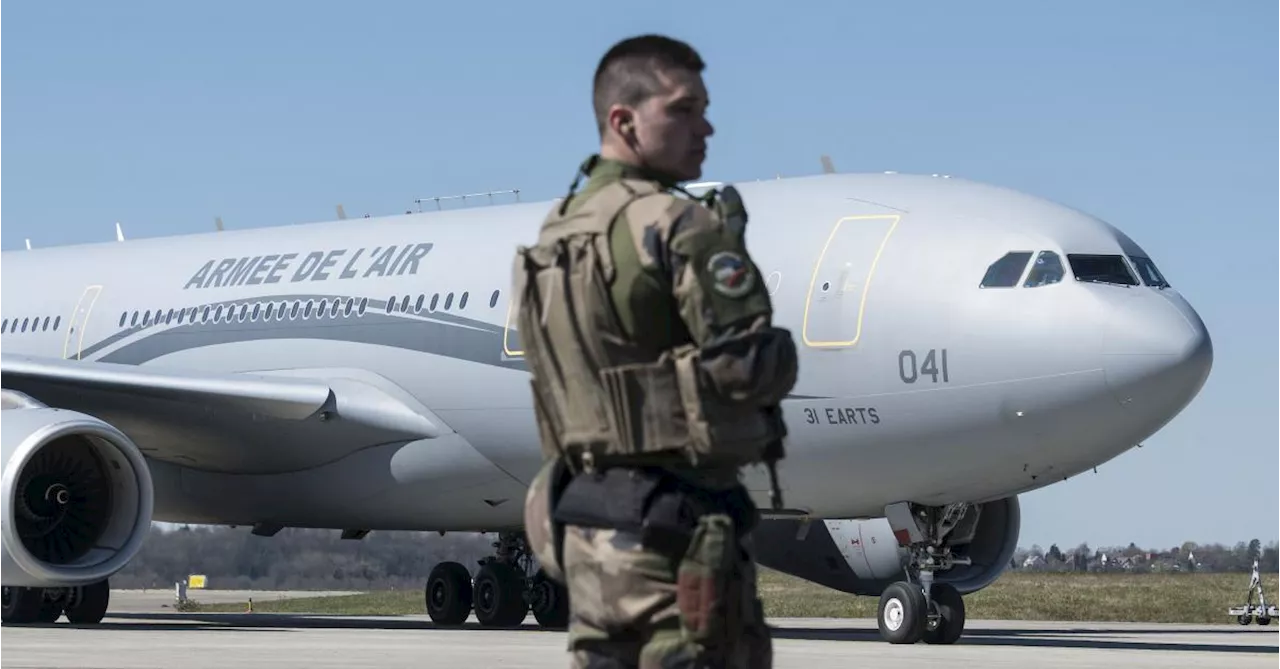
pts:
[239, 423]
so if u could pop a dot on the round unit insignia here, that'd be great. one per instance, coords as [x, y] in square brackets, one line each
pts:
[730, 274]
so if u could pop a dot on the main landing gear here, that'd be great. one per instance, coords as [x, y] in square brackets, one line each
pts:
[919, 608]
[82, 605]
[507, 587]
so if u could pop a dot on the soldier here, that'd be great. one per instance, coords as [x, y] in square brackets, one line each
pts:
[656, 374]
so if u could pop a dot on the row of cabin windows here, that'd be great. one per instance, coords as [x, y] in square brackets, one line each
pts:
[266, 311]
[37, 324]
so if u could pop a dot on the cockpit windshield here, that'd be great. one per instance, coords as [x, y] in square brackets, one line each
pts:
[1147, 270]
[1046, 270]
[1101, 269]
[1005, 272]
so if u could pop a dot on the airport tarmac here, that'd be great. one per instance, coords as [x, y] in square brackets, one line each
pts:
[140, 632]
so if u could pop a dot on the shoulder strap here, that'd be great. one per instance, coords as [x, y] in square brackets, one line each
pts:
[597, 211]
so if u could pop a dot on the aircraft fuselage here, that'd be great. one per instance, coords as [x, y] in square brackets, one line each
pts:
[916, 383]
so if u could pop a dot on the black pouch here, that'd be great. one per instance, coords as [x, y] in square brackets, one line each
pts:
[615, 498]
[671, 520]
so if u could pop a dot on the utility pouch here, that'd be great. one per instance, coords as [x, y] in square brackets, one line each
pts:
[706, 594]
[615, 498]
[670, 521]
[646, 408]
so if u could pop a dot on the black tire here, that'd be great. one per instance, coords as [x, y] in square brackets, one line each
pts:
[88, 604]
[448, 594]
[1244, 619]
[1263, 620]
[20, 605]
[949, 604]
[550, 602]
[499, 596]
[901, 614]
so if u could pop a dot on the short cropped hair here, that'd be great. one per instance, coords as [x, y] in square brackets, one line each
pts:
[628, 72]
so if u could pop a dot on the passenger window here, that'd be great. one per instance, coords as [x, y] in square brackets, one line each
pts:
[347, 310]
[493, 299]
[56, 322]
[462, 301]
[448, 301]
[435, 299]
[4, 327]
[417, 307]
[333, 310]
[1101, 269]
[123, 316]
[1005, 272]
[1046, 270]
[1147, 270]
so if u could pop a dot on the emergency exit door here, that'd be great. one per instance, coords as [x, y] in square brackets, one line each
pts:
[835, 308]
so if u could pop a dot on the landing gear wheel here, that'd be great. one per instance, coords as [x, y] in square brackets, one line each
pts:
[550, 602]
[1244, 619]
[902, 613]
[499, 595]
[448, 594]
[88, 604]
[1263, 620]
[21, 605]
[949, 606]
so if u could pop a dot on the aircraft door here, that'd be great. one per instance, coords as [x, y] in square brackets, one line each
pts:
[835, 307]
[73, 343]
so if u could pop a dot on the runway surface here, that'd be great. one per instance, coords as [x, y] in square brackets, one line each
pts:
[141, 632]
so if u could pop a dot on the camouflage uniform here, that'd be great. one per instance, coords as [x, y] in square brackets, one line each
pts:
[641, 593]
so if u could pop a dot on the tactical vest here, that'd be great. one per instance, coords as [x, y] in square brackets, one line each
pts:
[601, 400]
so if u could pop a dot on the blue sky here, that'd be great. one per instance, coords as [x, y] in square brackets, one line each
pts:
[1160, 117]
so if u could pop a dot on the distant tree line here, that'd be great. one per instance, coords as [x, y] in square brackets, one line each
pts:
[305, 559]
[1189, 557]
[297, 559]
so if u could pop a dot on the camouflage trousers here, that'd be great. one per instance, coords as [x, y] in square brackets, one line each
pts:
[634, 606]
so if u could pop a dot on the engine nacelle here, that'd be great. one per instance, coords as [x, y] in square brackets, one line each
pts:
[76, 497]
[862, 557]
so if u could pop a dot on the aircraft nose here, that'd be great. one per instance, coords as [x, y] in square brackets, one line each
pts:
[1157, 354]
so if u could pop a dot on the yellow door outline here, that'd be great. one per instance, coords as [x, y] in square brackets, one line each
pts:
[506, 330]
[866, 288]
[79, 321]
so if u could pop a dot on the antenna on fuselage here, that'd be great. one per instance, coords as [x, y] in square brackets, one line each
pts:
[827, 166]
[119, 232]
[28, 244]
[217, 223]
[342, 213]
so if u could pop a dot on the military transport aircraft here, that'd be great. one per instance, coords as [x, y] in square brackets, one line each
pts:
[960, 344]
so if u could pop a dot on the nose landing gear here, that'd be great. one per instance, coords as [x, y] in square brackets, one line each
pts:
[918, 608]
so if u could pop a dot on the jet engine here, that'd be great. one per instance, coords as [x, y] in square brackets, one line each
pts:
[76, 496]
[863, 557]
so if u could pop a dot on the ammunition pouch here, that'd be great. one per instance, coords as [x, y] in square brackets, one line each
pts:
[652, 504]
[671, 410]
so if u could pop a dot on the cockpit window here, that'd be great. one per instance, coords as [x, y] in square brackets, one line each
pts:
[1101, 269]
[1147, 270]
[1005, 272]
[1046, 270]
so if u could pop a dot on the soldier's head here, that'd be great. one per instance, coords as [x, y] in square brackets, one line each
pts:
[650, 106]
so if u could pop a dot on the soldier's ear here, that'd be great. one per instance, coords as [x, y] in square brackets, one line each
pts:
[626, 124]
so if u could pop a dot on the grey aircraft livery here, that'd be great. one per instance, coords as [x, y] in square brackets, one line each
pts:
[960, 344]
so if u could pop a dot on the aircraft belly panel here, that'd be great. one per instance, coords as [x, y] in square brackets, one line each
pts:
[835, 306]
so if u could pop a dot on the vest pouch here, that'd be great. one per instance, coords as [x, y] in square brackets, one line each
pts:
[565, 325]
[646, 409]
[722, 432]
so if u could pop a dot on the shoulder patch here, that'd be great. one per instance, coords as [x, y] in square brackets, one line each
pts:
[731, 275]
